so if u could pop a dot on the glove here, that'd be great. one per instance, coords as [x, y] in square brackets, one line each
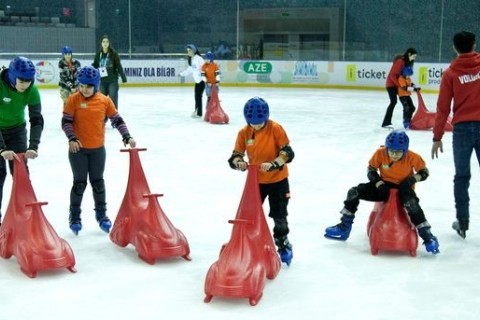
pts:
[129, 140]
[410, 89]
[69, 84]
[416, 88]
[275, 166]
[7, 154]
[31, 154]
[383, 190]
[407, 183]
[241, 165]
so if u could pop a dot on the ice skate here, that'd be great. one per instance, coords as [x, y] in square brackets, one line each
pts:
[342, 230]
[461, 227]
[429, 240]
[284, 250]
[74, 220]
[103, 221]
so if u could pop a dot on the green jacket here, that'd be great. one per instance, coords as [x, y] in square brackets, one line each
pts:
[12, 110]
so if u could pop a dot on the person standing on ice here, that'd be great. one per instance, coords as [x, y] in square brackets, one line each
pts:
[391, 166]
[107, 61]
[399, 62]
[266, 144]
[69, 68]
[405, 89]
[461, 84]
[18, 91]
[83, 123]
[210, 74]
[195, 63]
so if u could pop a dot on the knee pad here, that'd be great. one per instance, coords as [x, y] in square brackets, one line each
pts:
[352, 193]
[79, 187]
[98, 186]
[412, 206]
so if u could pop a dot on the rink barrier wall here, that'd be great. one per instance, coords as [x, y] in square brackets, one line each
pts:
[259, 73]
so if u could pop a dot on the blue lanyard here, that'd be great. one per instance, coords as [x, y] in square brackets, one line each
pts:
[103, 61]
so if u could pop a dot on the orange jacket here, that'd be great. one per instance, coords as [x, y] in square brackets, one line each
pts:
[263, 146]
[88, 117]
[402, 84]
[210, 70]
[397, 171]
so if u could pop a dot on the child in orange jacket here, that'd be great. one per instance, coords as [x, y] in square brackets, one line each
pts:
[391, 166]
[266, 144]
[210, 74]
[405, 89]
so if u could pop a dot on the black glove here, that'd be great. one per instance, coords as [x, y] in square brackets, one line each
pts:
[407, 183]
[275, 166]
[383, 191]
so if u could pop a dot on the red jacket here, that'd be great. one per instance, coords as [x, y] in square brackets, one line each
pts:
[394, 73]
[460, 83]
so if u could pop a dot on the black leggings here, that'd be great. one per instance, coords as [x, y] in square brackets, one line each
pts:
[199, 89]
[88, 163]
[392, 95]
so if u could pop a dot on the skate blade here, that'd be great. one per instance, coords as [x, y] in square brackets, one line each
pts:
[334, 238]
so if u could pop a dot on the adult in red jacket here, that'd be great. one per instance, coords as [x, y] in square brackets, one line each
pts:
[399, 62]
[460, 83]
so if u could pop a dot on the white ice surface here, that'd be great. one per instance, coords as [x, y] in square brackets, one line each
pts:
[333, 134]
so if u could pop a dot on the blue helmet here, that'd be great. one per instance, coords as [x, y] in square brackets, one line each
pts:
[256, 111]
[397, 140]
[66, 50]
[90, 76]
[22, 68]
[407, 71]
[209, 56]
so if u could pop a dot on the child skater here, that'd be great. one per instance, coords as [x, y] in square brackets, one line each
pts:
[405, 89]
[69, 68]
[266, 144]
[391, 166]
[210, 74]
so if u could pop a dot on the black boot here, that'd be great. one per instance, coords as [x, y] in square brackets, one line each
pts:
[74, 219]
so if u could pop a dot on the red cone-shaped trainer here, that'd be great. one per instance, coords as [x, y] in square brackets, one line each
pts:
[389, 227]
[142, 222]
[26, 233]
[215, 113]
[423, 119]
[250, 256]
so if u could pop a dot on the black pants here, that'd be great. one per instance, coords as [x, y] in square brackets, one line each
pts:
[368, 192]
[15, 140]
[392, 95]
[199, 89]
[408, 107]
[88, 163]
[278, 194]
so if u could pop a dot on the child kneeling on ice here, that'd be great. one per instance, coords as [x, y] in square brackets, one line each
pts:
[391, 166]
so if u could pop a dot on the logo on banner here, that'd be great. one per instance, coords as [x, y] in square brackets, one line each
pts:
[45, 72]
[305, 71]
[352, 72]
[429, 76]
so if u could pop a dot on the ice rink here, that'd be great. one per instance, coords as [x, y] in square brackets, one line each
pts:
[333, 133]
